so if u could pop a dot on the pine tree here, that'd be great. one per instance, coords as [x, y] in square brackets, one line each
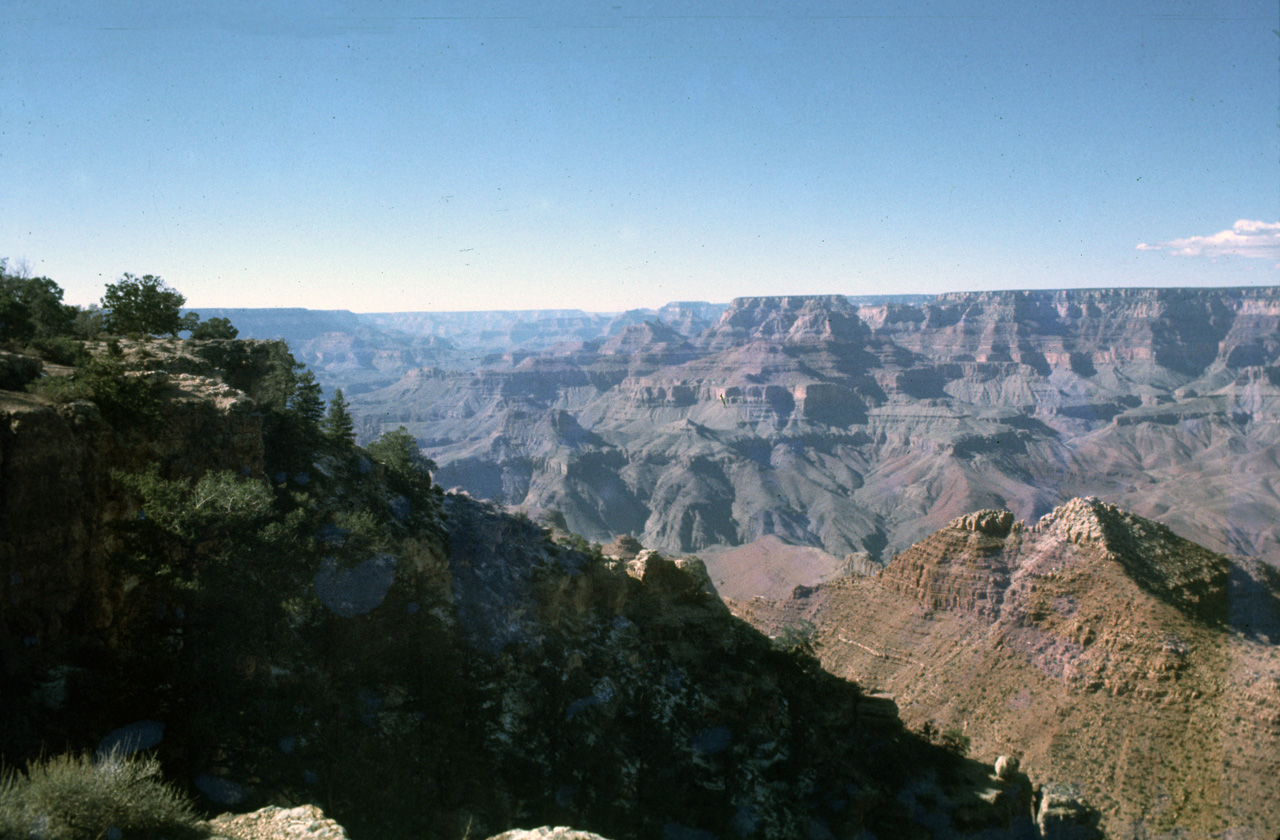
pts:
[306, 402]
[338, 426]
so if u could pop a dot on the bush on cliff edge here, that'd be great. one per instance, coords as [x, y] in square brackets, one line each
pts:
[79, 797]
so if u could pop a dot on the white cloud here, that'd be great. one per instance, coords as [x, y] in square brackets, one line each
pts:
[1246, 238]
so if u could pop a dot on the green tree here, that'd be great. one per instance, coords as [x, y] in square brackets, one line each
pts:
[281, 379]
[214, 328]
[338, 426]
[144, 305]
[15, 318]
[306, 401]
[410, 470]
[89, 322]
[398, 451]
[31, 307]
[294, 411]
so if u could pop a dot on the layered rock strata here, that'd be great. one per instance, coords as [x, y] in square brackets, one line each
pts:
[861, 427]
[1122, 662]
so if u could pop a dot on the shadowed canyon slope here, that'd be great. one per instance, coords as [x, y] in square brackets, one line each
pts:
[204, 570]
[1092, 620]
[860, 427]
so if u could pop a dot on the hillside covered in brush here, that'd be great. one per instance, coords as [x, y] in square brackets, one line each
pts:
[198, 562]
[1110, 653]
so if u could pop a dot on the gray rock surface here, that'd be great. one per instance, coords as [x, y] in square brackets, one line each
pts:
[547, 833]
[1006, 767]
[305, 822]
[859, 427]
[1062, 816]
[16, 370]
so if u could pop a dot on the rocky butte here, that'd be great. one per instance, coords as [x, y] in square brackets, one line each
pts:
[1109, 653]
[195, 564]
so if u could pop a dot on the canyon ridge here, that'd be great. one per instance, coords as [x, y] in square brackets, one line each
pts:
[790, 440]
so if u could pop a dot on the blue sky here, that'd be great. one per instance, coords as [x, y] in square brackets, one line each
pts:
[381, 156]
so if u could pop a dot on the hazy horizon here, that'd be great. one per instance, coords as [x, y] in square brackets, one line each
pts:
[440, 156]
[725, 302]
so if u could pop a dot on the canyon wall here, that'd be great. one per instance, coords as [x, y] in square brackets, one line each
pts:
[416, 663]
[860, 427]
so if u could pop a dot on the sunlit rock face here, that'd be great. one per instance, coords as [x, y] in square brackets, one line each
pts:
[305, 822]
[1124, 665]
[860, 426]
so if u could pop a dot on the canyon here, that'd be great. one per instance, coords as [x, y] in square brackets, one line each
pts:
[192, 567]
[994, 564]
[846, 427]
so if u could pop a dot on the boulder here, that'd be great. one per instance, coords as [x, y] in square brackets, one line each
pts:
[547, 833]
[17, 370]
[305, 822]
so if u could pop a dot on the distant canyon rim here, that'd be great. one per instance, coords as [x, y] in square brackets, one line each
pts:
[831, 430]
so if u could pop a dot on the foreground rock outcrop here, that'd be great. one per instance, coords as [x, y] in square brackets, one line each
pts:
[305, 822]
[57, 461]
[1126, 666]
[547, 833]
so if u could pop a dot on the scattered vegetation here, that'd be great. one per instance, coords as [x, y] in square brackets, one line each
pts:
[214, 328]
[124, 400]
[33, 318]
[796, 638]
[952, 739]
[79, 797]
[577, 542]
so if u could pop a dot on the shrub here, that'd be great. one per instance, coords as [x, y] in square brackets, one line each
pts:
[954, 740]
[78, 797]
[216, 519]
[398, 451]
[796, 638]
[124, 400]
[214, 328]
[60, 350]
[89, 322]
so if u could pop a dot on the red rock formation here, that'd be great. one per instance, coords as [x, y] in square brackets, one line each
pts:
[1110, 653]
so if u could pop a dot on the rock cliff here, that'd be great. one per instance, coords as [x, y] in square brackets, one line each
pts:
[57, 493]
[860, 427]
[341, 634]
[1120, 660]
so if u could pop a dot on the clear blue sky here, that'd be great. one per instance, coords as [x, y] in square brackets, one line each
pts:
[381, 156]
